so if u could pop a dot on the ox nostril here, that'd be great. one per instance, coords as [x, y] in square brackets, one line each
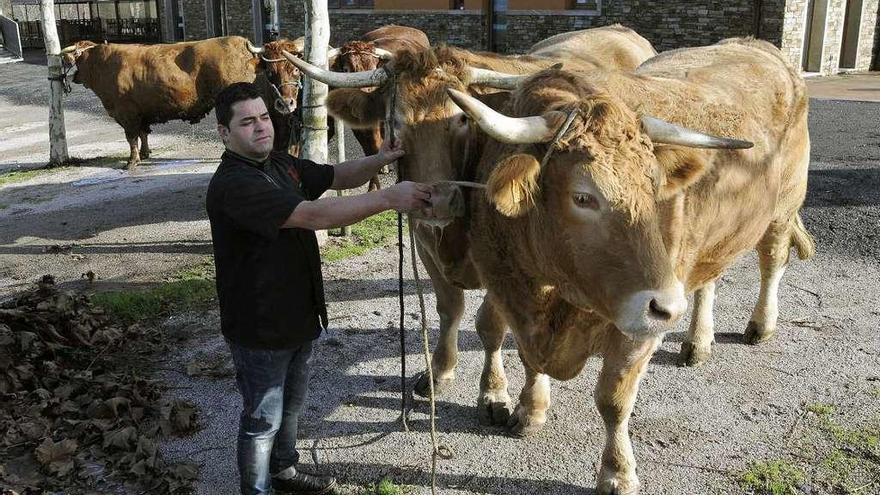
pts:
[658, 311]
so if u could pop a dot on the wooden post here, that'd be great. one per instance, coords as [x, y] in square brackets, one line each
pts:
[57, 136]
[339, 128]
[314, 115]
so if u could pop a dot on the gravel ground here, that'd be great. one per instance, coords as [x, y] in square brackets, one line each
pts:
[693, 429]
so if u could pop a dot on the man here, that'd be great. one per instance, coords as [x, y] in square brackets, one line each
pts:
[264, 207]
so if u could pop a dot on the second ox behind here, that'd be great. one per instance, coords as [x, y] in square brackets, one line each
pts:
[604, 207]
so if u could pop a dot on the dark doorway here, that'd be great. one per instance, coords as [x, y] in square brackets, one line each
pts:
[851, 25]
[814, 37]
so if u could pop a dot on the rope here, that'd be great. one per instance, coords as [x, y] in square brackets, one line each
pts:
[437, 450]
[559, 134]
[427, 353]
[403, 396]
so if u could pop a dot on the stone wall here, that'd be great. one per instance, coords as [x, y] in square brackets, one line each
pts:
[239, 20]
[772, 18]
[163, 21]
[869, 34]
[6, 8]
[833, 36]
[665, 24]
[194, 19]
[793, 29]
[464, 28]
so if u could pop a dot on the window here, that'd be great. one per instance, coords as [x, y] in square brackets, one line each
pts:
[585, 4]
[350, 4]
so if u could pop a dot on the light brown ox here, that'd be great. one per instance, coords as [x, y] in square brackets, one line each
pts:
[142, 85]
[440, 146]
[370, 52]
[571, 250]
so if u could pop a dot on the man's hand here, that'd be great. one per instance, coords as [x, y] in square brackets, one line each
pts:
[407, 196]
[390, 151]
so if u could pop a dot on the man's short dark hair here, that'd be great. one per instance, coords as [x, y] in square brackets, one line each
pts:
[231, 95]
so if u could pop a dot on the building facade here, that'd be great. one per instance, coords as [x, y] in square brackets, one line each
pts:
[821, 36]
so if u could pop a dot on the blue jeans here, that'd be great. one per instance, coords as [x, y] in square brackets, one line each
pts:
[273, 386]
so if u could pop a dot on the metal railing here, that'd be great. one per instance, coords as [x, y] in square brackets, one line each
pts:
[97, 30]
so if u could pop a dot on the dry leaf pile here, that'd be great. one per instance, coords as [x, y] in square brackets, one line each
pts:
[74, 414]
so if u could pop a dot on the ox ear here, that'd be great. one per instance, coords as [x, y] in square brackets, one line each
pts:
[359, 109]
[680, 167]
[513, 185]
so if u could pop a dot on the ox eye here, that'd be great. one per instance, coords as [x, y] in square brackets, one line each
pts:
[585, 200]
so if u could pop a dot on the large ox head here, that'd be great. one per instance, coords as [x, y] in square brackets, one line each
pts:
[283, 77]
[357, 56]
[72, 55]
[411, 97]
[594, 202]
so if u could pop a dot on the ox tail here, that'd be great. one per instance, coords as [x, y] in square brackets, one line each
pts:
[801, 239]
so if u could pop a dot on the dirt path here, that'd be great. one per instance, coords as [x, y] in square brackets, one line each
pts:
[693, 430]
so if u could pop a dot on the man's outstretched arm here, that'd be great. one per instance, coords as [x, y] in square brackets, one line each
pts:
[328, 213]
[355, 173]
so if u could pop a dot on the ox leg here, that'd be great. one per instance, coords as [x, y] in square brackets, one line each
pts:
[493, 404]
[145, 147]
[134, 157]
[697, 348]
[531, 413]
[450, 307]
[623, 365]
[773, 251]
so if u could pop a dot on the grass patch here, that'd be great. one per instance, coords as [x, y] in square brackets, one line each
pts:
[387, 487]
[836, 453]
[819, 408]
[3, 206]
[772, 478]
[188, 289]
[373, 232]
[23, 175]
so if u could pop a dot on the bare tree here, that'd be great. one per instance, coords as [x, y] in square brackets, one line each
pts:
[314, 114]
[57, 137]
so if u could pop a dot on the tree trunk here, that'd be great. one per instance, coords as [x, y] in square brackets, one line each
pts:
[57, 136]
[314, 115]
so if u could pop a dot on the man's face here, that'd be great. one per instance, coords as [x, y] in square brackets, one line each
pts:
[250, 132]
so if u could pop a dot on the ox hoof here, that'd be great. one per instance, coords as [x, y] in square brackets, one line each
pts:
[755, 334]
[132, 165]
[422, 387]
[145, 154]
[523, 424]
[494, 408]
[618, 485]
[693, 355]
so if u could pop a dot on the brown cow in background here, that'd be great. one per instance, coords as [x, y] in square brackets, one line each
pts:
[368, 53]
[141, 85]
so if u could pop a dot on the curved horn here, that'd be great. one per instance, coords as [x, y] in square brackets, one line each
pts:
[333, 52]
[511, 130]
[253, 49]
[383, 53]
[363, 79]
[664, 132]
[68, 49]
[494, 79]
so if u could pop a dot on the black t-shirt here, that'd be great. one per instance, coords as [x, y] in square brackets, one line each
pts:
[268, 278]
